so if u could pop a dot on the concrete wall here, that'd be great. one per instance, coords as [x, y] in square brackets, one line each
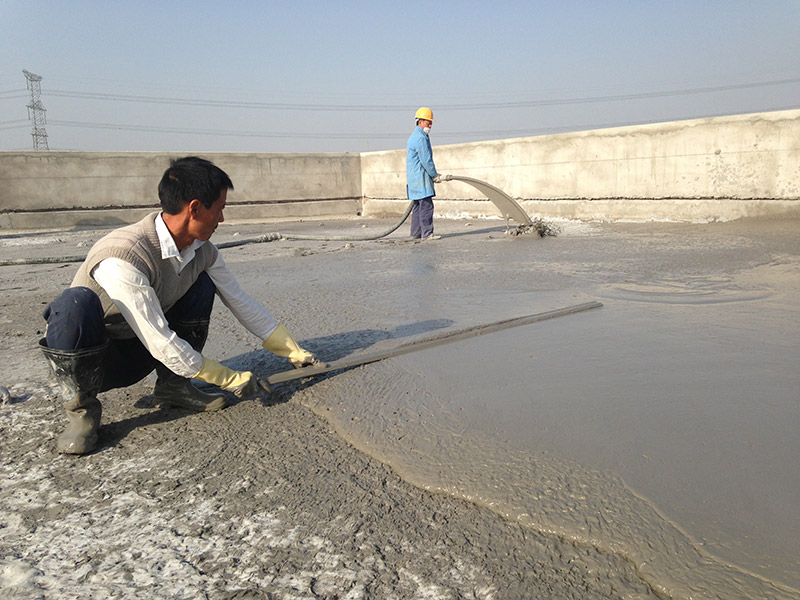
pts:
[61, 189]
[700, 170]
[704, 169]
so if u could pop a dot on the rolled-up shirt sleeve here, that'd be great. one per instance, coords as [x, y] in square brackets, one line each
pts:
[136, 300]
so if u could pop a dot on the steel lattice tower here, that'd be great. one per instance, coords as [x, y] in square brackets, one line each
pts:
[36, 111]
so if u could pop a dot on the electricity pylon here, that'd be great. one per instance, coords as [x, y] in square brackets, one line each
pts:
[36, 111]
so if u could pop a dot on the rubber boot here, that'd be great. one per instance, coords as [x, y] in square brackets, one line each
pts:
[174, 390]
[80, 374]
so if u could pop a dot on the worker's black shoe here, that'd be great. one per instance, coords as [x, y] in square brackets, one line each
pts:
[174, 390]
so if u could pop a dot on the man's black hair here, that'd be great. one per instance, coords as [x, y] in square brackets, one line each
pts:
[189, 178]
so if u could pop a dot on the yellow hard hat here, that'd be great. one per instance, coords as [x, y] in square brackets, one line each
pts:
[423, 112]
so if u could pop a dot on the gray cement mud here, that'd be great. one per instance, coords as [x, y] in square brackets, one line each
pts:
[644, 449]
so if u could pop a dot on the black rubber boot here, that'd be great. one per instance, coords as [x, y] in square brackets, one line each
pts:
[80, 374]
[174, 390]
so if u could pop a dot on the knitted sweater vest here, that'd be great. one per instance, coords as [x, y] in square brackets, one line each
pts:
[138, 245]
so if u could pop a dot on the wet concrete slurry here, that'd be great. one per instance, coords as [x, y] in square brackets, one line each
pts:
[633, 449]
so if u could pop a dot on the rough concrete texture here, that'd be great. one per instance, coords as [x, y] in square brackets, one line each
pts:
[498, 468]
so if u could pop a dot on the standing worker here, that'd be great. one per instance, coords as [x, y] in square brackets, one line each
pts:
[142, 300]
[421, 174]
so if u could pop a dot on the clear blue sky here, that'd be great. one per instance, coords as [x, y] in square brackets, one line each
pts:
[303, 76]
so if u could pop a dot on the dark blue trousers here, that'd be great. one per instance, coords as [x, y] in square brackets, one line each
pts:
[75, 322]
[422, 218]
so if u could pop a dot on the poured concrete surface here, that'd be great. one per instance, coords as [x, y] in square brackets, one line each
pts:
[645, 447]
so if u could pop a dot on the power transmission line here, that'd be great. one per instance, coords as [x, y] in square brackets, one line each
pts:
[460, 134]
[404, 107]
[13, 95]
[14, 124]
[441, 135]
[157, 129]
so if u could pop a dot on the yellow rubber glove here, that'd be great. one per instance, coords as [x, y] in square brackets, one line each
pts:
[242, 383]
[282, 343]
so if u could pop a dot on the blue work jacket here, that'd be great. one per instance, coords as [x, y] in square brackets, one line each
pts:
[420, 169]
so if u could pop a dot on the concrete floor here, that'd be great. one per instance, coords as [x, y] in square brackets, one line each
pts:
[657, 432]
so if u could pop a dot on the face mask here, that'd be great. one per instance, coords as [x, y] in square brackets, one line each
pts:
[427, 130]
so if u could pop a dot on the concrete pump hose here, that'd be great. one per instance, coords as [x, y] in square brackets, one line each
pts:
[267, 237]
[320, 238]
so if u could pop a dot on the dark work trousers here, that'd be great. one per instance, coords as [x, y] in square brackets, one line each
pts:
[422, 218]
[75, 322]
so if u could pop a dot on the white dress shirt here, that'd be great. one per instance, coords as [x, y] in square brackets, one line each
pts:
[136, 300]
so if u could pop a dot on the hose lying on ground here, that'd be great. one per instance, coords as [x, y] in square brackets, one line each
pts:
[267, 237]
[271, 237]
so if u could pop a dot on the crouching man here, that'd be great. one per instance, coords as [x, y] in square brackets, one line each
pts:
[142, 300]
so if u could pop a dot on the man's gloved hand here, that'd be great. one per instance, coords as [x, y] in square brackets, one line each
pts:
[437, 179]
[281, 343]
[242, 383]
[250, 385]
[311, 361]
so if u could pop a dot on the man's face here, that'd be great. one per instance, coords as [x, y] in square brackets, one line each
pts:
[425, 123]
[205, 220]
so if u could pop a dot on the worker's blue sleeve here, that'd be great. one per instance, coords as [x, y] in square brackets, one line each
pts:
[420, 169]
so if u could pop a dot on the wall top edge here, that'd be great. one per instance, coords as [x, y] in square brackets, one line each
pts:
[774, 116]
